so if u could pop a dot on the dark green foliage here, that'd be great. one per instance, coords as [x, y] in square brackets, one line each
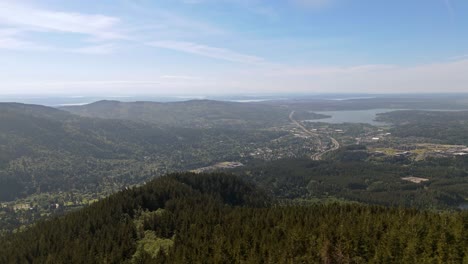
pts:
[323, 234]
[232, 192]
[105, 232]
[162, 224]
[349, 177]
[447, 127]
[351, 153]
[208, 226]
[9, 188]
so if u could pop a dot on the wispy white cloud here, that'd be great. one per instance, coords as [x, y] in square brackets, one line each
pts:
[207, 51]
[29, 18]
[22, 27]
[20, 20]
[12, 43]
[10, 39]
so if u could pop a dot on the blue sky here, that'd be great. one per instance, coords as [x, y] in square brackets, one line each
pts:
[233, 46]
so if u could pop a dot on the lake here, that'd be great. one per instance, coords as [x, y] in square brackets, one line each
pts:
[353, 116]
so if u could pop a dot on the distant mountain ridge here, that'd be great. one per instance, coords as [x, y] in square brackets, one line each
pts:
[193, 113]
[32, 110]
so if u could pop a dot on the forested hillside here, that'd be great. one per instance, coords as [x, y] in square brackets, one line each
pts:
[43, 149]
[218, 218]
[363, 181]
[53, 162]
[439, 126]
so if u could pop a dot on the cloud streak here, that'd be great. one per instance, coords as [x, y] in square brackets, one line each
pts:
[20, 20]
[207, 51]
[25, 27]
[12, 43]
[30, 18]
[10, 39]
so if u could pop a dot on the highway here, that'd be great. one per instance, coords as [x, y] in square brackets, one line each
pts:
[318, 155]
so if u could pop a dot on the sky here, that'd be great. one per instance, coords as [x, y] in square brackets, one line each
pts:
[233, 46]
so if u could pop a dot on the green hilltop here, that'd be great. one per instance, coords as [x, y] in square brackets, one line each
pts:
[219, 218]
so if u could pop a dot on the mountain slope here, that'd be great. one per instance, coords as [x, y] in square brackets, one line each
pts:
[450, 127]
[43, 149]
[196, 113]
[218, 218]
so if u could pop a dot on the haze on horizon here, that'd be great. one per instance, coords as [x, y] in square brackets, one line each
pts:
[233, 46]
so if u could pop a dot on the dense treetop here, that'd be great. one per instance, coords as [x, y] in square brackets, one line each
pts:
[219, 218]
